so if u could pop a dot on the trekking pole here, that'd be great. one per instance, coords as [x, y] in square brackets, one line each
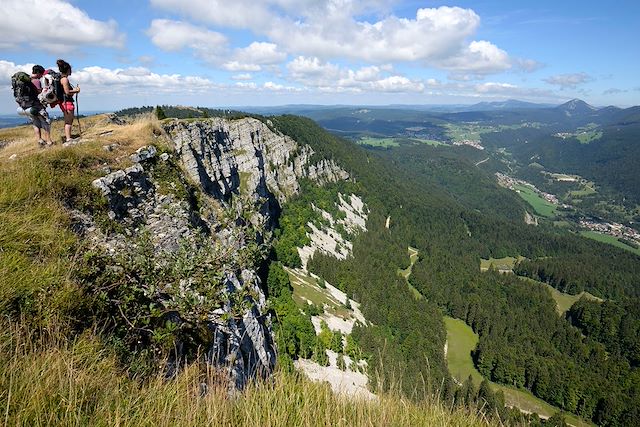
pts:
[78, 115]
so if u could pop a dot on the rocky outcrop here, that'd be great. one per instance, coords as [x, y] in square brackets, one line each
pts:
[241, 335]
[244, 172]
[246, 158]
[327, 238]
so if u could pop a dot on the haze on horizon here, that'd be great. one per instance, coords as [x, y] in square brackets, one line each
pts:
[354, 52]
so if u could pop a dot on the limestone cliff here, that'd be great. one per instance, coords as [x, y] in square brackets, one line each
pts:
[216, 193]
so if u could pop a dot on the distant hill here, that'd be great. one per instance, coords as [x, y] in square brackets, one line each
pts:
[510, 104]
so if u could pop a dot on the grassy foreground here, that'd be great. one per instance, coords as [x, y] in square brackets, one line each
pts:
[50, 381]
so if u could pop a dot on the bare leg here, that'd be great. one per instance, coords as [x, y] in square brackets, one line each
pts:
[68, 123]
[46, 135]
[36, 131]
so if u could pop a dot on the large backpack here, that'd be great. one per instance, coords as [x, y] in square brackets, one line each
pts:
[24, 92]
[52, 91]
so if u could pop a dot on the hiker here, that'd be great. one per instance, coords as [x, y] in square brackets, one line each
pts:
[36, 74]
[66, 103]
[26, 95]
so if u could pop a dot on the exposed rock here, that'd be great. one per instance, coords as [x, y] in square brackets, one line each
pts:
[110, 147]
[245, 157]
[530, 219]
[328, 239]
[143, 154]
[72, 142]
[114, 119]
[13, 157]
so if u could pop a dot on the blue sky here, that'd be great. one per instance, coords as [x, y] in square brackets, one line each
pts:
[271, 52]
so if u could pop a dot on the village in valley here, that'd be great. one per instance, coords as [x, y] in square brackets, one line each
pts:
[623, 233]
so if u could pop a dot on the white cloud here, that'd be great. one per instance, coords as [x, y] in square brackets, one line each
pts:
[246, 85]
[328, 77]
[260, 53]
[254, 57]
[175, 35]
[55, 26]
[244, 76]
[478, 59]
[235, 14]
[237, 66]
[569, 81]
[330, 29]
[494, 88]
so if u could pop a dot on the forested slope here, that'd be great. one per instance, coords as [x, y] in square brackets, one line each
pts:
[523, 342]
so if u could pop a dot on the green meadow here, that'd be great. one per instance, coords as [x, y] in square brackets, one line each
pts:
[540, 205]
[610, 240]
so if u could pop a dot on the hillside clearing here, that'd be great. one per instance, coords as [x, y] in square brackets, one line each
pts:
[503, 265]
[461, 341]
[610, 240]
[540, 205]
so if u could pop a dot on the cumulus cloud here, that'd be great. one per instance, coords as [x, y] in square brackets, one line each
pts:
[237, 66]
[244, 76]
[314, 72]
[254, 56]
[330, 29]
[478, 59]
[55, 26]
[175, 35]
[569, 81]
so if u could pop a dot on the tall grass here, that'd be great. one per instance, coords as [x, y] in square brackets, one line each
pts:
[46, 380]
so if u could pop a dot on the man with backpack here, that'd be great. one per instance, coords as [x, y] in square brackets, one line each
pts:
[25, 93]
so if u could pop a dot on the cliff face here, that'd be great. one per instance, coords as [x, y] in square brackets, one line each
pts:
[217, 194]
[246, 158]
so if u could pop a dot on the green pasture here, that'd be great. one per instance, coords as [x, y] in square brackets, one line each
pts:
[540, 205]
[610, 240]
[413, 257]
[461, 341]
[563, 301]
[378, 142]
[501, 264]
[588, 136]
[428, 141]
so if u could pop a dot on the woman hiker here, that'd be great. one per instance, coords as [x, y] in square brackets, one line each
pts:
[66, 104]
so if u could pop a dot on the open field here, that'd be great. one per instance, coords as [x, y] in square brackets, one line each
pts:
[586, 137]
[563, 301]
[428, 141]
[461, 340]
[378, 142]
[473, 131]
[540, 205]
[500, 264]
[413, 257]
[610, 240]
